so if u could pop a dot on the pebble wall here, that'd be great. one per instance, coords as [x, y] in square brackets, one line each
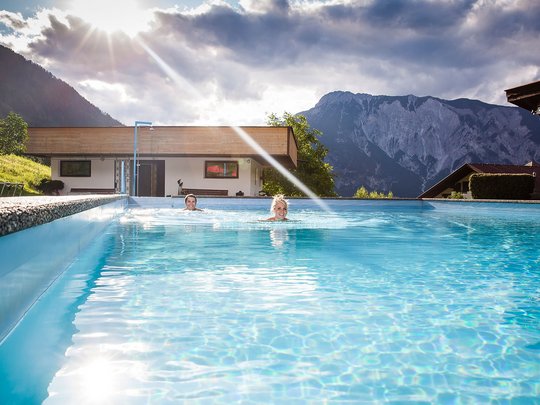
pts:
[18, 213]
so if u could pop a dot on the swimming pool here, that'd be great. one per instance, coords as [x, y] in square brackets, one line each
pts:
[376, 302]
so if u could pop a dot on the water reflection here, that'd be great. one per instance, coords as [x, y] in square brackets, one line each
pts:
[278, 237]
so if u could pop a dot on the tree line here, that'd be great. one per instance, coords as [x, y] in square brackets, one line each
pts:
[13, 134]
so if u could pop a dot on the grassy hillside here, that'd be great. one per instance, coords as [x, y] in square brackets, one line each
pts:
[17, 169]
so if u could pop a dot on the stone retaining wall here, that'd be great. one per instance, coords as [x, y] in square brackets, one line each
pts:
[18, 213]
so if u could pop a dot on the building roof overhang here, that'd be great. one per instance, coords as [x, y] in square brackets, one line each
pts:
[166, 141]
[526, 96]
[448, 181]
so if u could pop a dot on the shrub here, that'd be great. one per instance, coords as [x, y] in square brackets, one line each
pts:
[501, 186]
[363, 193]
[50, 187]
[456, 195]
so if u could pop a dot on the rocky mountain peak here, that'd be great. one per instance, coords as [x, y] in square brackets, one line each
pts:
[405, 144]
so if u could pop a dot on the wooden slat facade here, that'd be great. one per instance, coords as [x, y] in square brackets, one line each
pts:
[163, 141]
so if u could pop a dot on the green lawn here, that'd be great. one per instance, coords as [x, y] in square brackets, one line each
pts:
[17, 169]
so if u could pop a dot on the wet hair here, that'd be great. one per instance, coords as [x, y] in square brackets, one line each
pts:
[279, 198]
[190, 195]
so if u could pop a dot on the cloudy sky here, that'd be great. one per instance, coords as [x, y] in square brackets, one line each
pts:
[231, 62]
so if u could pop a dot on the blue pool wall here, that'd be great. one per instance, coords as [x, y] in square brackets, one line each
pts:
[33, 258]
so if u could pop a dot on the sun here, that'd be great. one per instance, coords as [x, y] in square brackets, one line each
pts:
[110, 16]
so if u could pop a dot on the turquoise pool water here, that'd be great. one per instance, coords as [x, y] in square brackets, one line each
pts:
[374, 303]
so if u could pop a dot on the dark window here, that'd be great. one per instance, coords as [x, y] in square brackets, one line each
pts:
[221, 169]
[75, 168]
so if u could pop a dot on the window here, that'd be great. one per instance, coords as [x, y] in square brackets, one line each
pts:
[75, 168]
[221, 169]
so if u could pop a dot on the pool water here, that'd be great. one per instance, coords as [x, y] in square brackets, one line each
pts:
[368, 304]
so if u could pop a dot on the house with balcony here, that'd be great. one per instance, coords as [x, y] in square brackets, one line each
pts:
[163, 160]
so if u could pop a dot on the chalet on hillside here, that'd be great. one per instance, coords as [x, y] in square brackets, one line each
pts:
[204, 160]
[458, 180]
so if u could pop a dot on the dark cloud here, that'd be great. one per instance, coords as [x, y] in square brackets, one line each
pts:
[510, 34]
[418, 15]
[87, 50]
[415, 31]
[418, 32]
[253, 38]
[441, 48]
[12, 20]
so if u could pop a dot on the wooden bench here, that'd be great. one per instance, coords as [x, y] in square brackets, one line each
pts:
[78, 190]
[204, 191]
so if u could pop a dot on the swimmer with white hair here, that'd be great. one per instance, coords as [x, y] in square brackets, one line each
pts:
[279, 208]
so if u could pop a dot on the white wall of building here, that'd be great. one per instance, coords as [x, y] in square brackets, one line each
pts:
[102, 175]
[189, 169]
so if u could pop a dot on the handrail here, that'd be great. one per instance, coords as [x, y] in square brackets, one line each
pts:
[6, 185]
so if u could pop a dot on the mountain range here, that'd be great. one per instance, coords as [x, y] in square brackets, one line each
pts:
[406, 144]
[41, 99]
[403, 144]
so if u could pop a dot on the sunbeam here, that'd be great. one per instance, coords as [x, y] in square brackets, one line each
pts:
[170, 72]
[279, 167]
[183, 84]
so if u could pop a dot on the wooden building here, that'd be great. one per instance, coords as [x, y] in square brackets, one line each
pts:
[208, 160]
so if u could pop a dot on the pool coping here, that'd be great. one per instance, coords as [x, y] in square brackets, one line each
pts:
[18, 213]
